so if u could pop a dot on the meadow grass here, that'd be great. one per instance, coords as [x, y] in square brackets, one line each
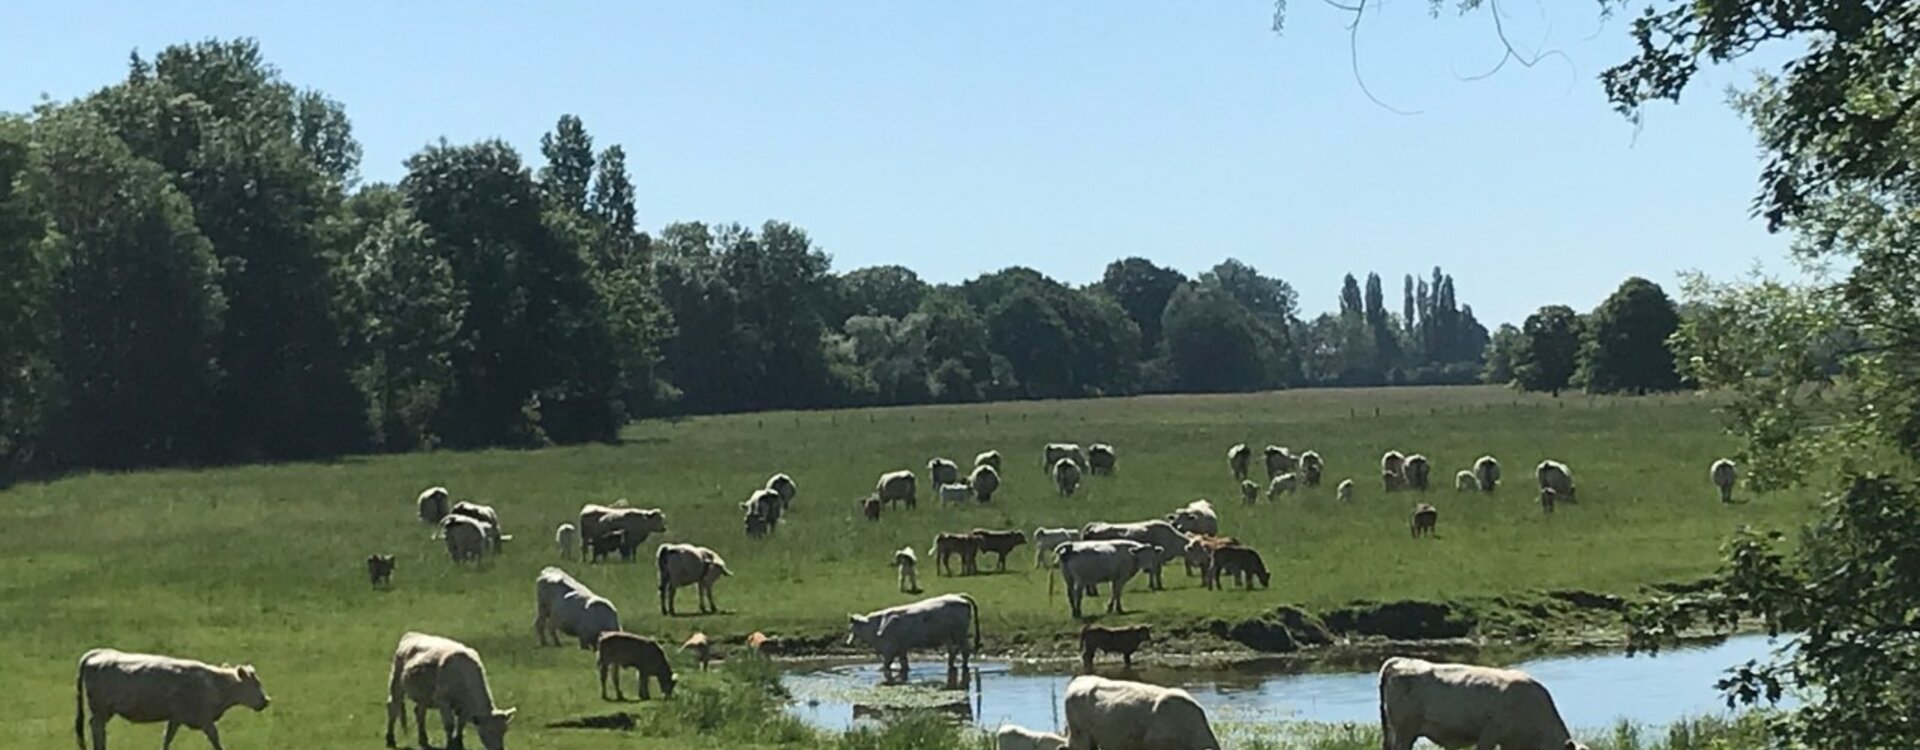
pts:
[263, 564]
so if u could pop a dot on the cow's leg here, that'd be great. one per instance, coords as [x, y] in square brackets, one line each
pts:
[645, 695]
[213, 736]
[451, 725]
[905, 670]
[167, 740]
[98, 724]
[394, 711]
[420, 726]
[1113, 603]
[603, 681]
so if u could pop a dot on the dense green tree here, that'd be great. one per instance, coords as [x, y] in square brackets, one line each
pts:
[569, 170]
[1503, 349]
[26, 313]
[705, 343]
[1029, 330]
[1214, 344]
[782, 286]
[1142, 289]
[892, 355]
[1626, 344]
[1350, 296]
[1409, 307]
[1268, 298]
[535, 359]
[411, 309]
[891, 291]
[136, 300]
[1549, 350]
[959, 349]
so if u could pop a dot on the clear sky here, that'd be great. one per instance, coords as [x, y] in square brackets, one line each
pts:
[956, 138]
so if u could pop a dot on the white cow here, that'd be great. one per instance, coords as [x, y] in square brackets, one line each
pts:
[566, 539]
[683, 565]
[1345, 491]
[1011, 737]
[466, 538]
[784, 485]
[144, 688]
[941, 471]
[941, 621]
[484, 514]
[1157, 533]
[441, 673]
[1045, 539]
[565, 605]
[1196, 517]
[1465, 481]
[955, 493]
[432, 504]
[1085, 565]
[1486, 469]
[1553, 475]
[1104, 714]
[1723, 474]
[1457, 705]
[988, 458]
[597, 521]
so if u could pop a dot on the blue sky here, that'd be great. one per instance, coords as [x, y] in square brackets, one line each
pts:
[957, 138]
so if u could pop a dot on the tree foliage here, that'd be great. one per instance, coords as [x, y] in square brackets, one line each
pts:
[1626, 346]
[1549, 351]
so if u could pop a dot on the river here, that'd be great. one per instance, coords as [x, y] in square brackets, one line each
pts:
[1593, 691]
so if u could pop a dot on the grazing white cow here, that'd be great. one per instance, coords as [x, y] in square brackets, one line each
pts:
[897, 486]
[1057, 451]
[484, 514]
[683, 565]
[986, 481]
[1012, 737]
[432, 504]
[441, 673]
[1101, 459]
[466, 538]
[1553, 475]
[1416, 470]
[989, 458]
[1311, 467]
[1104, 714]
[955, 493]
[1045, 539]
[1723, 473]
[1239, 458]
[565, 605]
[1084, 565]
[941, 471]
[1465, 481]
[1457, 705]
[1345, 491]
[1285, 484]
[1066, 476]
[635, 524]
[1157, 533]
[1196, 517]
[765, 504]
[143, 688]
[1279, 460]
[941, 621]
[1486, 470]
[784, 485]
[566, 539]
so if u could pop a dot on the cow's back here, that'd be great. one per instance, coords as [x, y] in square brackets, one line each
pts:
[1459, 704]
[1113, 714]
[143, 687]
[940, 620]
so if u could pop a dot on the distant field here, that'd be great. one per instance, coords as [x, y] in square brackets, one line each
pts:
[263, 564]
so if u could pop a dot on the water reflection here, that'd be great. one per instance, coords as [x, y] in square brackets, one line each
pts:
[1592, 690]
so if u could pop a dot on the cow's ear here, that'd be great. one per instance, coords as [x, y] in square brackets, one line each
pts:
[246, 672]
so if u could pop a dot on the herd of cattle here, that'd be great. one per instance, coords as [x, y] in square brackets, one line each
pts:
[1450, 704]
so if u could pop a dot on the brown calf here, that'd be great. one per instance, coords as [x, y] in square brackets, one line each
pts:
[620, 650]
[1122, 641]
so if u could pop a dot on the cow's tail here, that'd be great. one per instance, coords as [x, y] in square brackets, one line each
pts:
[975, 606]
[80, 704]
[660, 563]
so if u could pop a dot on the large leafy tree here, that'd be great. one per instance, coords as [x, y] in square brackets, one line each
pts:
[1142, 289]
[136, 300]
[534, 360]
[1626, 347]
[569, 169]
[891, 291]
[409, 310]
[1549, 352]
[265, 167]
[1503, 349]
[1214, 343]
[26, 313]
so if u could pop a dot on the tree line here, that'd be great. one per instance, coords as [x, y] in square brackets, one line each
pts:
[191, 271]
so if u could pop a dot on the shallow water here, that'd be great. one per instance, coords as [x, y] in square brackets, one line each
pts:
[1593, 691]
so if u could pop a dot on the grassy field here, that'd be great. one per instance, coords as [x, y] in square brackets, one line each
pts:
[263, 564]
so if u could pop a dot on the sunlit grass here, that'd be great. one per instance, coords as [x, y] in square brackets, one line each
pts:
[263, 564]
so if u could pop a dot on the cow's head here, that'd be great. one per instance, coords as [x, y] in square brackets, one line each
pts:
[653, 521]
[862, 628]
[246, 689]
[493, 728]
